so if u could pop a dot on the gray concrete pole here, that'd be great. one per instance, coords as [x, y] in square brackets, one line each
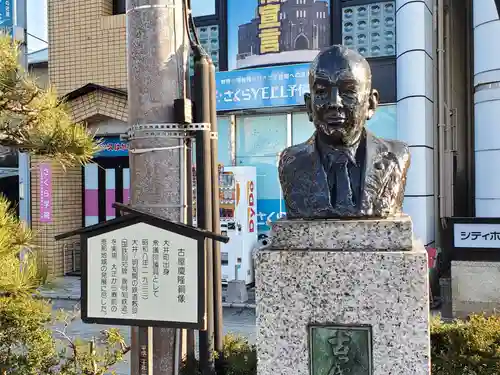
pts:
[20, 32]
[157, 57]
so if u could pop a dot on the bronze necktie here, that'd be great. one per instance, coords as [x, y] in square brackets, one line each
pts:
[343, 184]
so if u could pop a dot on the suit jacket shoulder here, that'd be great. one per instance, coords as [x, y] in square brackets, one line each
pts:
[293, 156]
[399, 150]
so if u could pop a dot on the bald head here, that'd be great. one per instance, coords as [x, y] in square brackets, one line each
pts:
[341, 98]
[337, 61]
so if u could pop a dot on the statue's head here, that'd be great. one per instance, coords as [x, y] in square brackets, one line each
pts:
[341, 98]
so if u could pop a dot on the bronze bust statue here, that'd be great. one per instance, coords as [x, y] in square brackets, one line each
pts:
[343, 170]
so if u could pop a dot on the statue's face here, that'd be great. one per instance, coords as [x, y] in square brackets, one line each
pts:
[341, 99]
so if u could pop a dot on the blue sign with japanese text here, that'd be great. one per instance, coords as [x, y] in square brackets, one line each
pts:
[6, 19]
[275, 86]
[112, 147]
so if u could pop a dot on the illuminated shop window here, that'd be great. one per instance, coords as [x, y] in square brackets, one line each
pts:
[209, 40]
[370, 29]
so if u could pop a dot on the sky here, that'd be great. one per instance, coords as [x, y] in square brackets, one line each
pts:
[37, 19]
[37, 24]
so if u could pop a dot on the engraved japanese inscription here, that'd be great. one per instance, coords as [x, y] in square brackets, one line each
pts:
[340, 350]
[343, 170]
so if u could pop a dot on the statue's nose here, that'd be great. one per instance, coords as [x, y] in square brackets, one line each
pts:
[335, 99]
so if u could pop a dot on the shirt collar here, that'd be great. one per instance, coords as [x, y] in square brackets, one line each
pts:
[331, 154]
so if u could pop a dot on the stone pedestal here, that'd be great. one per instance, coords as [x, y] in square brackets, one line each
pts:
[365, 281]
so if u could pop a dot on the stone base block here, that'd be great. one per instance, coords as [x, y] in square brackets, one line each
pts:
[475, 288]
[387, 291]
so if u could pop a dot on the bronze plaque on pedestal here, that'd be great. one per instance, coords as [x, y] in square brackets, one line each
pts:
[340, 350]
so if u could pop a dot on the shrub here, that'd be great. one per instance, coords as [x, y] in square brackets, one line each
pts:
[469, 347]
[240, 358]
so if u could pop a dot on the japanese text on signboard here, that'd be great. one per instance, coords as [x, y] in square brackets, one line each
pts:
[263, 87]
[478, 235]
[141, 275]
[45, 193]
[269, 26]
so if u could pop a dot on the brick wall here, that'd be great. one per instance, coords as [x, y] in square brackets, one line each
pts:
[66, 213]
[87, 44]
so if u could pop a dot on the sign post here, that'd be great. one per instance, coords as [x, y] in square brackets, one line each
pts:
[144, 271]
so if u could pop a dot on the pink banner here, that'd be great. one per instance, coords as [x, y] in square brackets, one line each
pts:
[45, 193]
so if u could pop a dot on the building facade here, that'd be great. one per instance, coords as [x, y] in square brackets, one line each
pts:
[420, 53]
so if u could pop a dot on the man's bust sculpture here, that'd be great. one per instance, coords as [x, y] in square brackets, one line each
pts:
[343, 170]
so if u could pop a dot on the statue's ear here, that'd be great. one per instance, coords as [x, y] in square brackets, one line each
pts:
[373, 101]
[307, 100]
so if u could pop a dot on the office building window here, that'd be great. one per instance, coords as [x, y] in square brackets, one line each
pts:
[119, 6]
[209, 40]
[370, 29]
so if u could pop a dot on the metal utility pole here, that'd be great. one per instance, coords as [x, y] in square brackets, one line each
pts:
[157, 59]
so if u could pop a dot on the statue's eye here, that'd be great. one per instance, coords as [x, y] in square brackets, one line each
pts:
[320, 91]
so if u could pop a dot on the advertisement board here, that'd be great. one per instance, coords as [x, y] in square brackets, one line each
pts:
[113, 147]
[262, 87]
[263, 32]
[6, 19]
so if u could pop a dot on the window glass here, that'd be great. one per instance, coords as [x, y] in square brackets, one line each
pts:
[259, 140]
[260, 135]
[302, 128]
[370, 29]
[223, 144]
[383, 123]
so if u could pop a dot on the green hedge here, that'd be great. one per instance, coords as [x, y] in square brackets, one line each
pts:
[469, 347]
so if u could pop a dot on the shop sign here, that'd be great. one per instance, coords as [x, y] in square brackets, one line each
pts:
[270, 32]
[45, 175]
[268, 211]
[251, 206]
[262, 87]
[6, 19]
[472, 239]
[477, 236]
[112, 147]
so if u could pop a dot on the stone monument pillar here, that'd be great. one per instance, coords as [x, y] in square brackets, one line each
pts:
[338, 297]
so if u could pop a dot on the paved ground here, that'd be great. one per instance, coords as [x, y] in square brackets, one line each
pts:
[65, 294]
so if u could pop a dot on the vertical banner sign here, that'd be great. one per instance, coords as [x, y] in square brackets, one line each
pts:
[6, 20]
[45, 193]
[269, 26]
[251, 206]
